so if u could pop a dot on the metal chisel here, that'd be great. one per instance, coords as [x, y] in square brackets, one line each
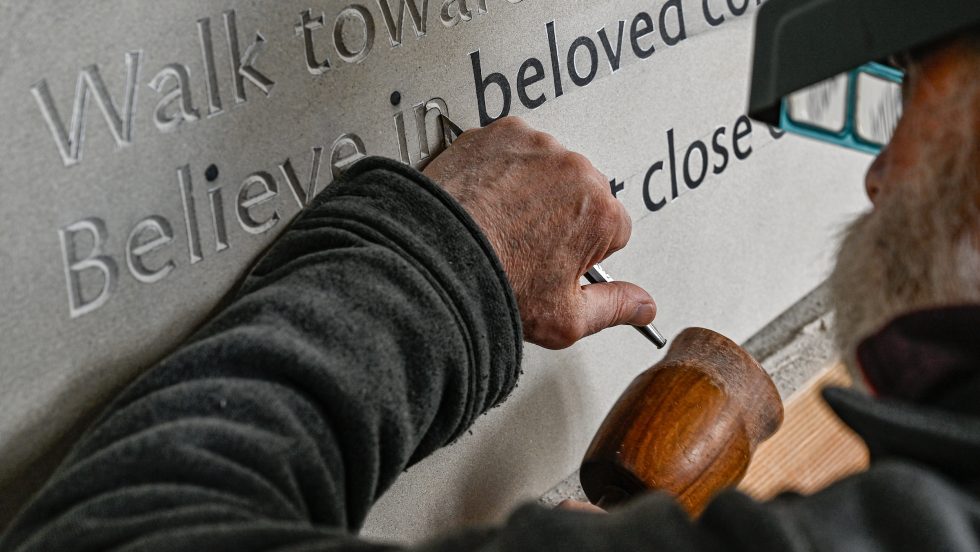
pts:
[596, 275]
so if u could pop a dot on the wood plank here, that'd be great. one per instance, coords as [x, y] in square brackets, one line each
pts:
[812, 449]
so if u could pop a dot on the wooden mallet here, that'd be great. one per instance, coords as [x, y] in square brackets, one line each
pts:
[687, 426]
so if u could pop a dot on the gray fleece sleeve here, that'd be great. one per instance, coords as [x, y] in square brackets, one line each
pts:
[376, 330]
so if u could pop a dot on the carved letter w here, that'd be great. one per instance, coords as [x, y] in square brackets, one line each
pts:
[396, 23]
[90, 81]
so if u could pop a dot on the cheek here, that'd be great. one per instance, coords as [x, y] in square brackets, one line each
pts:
[943, 111]
[931, 130]
[904, 153]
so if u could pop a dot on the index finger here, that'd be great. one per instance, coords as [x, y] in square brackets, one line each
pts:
[618, 225]
[622, 229]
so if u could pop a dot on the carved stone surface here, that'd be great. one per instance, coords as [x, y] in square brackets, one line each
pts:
[151, 149]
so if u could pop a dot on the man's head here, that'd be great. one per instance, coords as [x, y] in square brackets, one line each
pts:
[920, 246]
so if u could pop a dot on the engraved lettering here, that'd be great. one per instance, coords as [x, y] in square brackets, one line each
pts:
[186, 186]
[693, 182]
[720, 150]
[305, 29]
[218, 218]
[451, 17]
[396, 23]
[149, 235]
[210, 73]
[693, 174]
[402, 138]
[613, 54]
[95, 260]
[742, 129]
[641, 27]
[652, 205]
[247, 201]
[577, 78]
[524, 81]
[481, 90]
[481, 6]
[242, 67]
[69, 142]
[451, 130]
[674, 191]
[181, 95]
[709, 17]
[302, 195]
[358, 15]
[736, 11]
[347, 150]
[616, 187]
[669, 39]
[555, 65]
[422, 112]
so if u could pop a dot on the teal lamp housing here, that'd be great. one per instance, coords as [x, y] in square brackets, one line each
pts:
[848, 136]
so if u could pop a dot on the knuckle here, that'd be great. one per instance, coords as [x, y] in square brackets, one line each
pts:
[626, 221]
[620, 219]
[543, 140]
[608, 216]
[626, 233]
[510, 123]
[576, 163]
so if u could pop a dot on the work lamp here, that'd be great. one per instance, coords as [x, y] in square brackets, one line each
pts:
[821, 67]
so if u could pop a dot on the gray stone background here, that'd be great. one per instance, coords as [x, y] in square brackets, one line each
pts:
[730, 254]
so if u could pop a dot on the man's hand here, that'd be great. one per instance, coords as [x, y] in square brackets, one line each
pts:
[550, 216]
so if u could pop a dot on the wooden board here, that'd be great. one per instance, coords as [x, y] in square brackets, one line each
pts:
[811, 450]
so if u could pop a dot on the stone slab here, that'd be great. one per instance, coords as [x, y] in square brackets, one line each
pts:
[163, 91]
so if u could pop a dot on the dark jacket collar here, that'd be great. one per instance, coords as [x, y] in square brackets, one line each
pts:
[925, 369]
[922, 356]
[948, 442]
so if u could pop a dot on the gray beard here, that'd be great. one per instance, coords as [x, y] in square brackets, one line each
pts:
[919, 249]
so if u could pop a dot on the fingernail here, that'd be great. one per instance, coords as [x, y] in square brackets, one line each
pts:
[644, 315]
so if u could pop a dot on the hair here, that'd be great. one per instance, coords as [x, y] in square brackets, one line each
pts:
[919, 248]
[915, 251]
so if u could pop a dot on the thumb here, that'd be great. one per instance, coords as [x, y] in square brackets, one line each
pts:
[614, 304]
